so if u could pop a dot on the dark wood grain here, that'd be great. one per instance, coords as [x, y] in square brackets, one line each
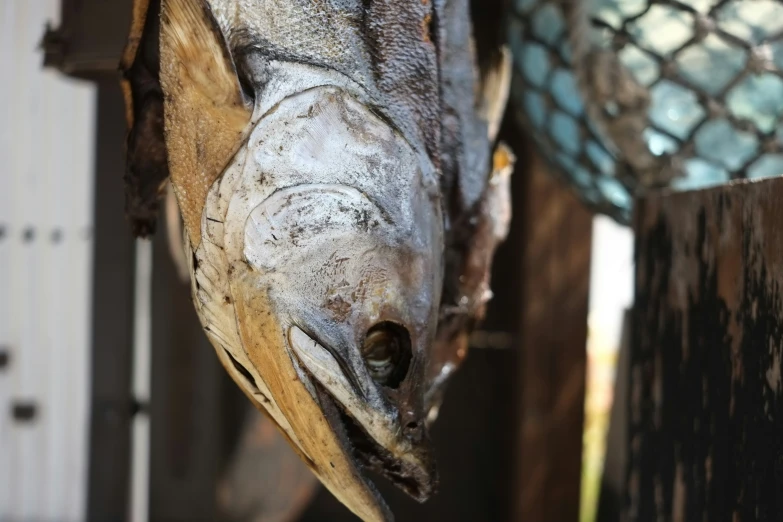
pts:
[706, 415]
[553, 333]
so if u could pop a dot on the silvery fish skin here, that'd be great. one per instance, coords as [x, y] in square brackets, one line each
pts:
[341, 209]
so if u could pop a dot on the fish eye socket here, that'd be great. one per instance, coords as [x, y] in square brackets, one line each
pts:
[387, 353]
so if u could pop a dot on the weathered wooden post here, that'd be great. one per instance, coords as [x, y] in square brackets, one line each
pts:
[706, 416]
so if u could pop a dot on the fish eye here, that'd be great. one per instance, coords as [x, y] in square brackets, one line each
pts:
[387, 353]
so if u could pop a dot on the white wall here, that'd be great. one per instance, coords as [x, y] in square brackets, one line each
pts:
[611, 282]
[46, 193]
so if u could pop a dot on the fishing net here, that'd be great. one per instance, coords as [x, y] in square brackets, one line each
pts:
[627, 96]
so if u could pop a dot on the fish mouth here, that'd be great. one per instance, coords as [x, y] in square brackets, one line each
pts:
[370, 435]
[418, 481]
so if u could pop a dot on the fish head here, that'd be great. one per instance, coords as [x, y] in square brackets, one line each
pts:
[335, 237]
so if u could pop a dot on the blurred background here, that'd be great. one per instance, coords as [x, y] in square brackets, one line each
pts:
[112, 403]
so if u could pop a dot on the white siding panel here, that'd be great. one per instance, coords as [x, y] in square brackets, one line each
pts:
[46, 194]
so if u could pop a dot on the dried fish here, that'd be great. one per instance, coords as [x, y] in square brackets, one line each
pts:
[331, 162]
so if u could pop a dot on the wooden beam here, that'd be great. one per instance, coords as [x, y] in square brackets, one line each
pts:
[111, 406]
[706, 427]
[553, 337]
[90, 38]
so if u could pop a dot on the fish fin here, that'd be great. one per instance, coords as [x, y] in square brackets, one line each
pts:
[207, 114]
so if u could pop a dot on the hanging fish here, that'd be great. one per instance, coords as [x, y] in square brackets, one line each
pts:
[332, 165]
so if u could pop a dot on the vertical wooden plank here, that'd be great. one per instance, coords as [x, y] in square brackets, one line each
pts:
[12, 252]
[28, 284]
[706, 427]
[553, 342]
[112, 298]
[77, 237]
[7, 10]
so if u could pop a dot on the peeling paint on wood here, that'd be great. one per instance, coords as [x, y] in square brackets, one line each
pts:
[706, 418]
